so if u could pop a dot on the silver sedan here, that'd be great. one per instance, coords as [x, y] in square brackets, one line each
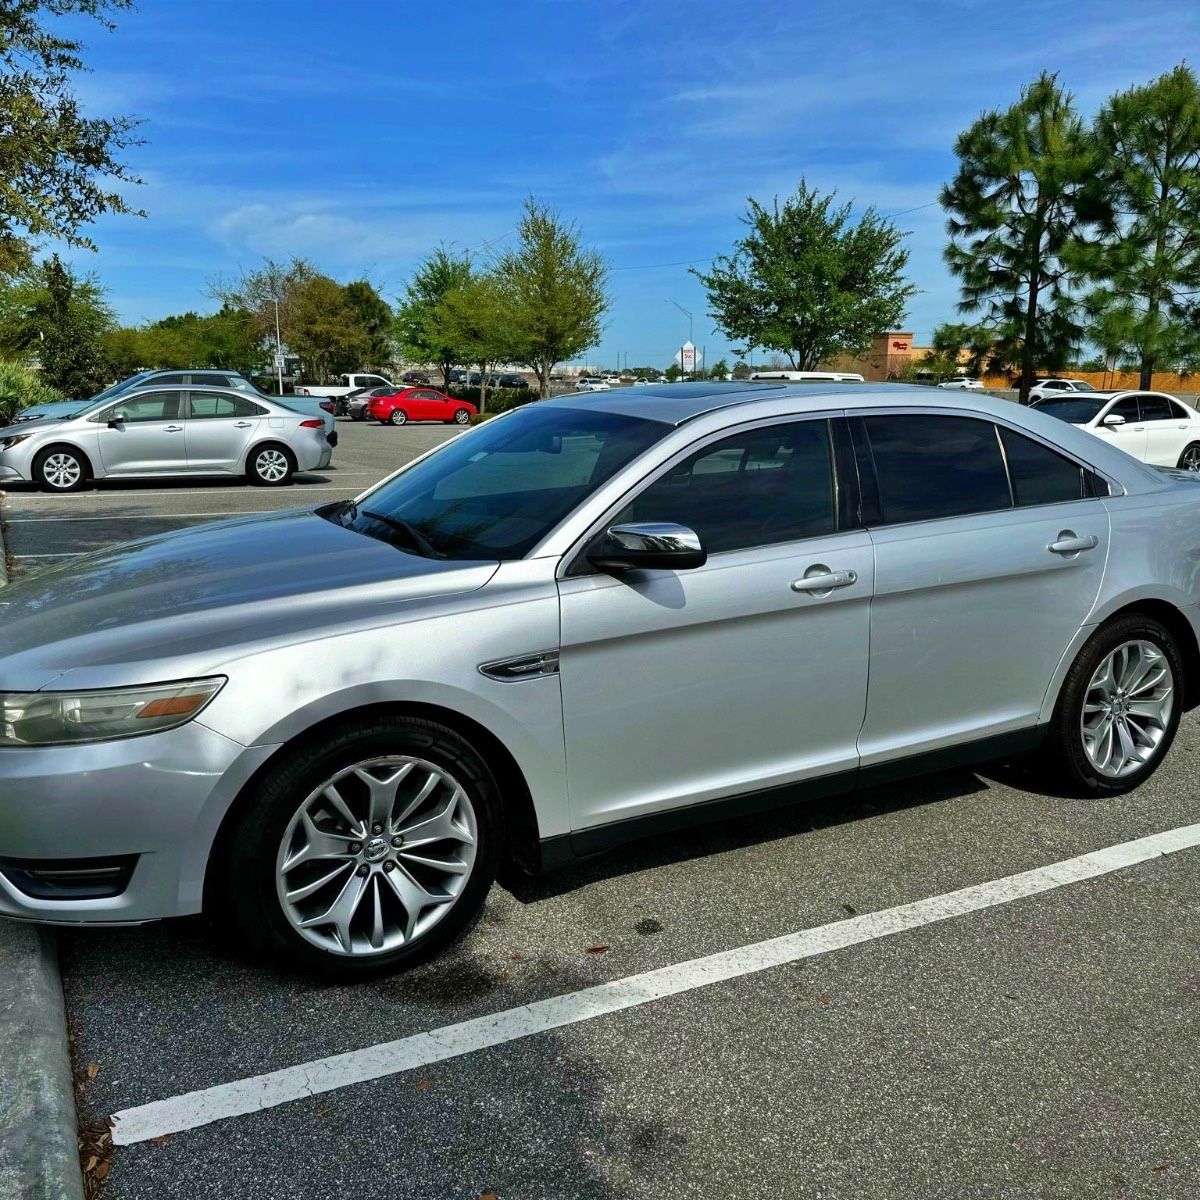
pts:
[586, 620]
[161, 431]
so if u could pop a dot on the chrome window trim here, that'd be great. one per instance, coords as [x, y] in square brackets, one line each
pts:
[569, 557]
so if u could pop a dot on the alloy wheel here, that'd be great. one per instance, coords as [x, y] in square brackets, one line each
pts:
[62, 471]
[376, 856]
[399, 416]
[1127, 709]
[271, 465]
[461, 416]
[1191, 459]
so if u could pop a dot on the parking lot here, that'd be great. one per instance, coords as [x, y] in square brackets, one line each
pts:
[1036, 1037]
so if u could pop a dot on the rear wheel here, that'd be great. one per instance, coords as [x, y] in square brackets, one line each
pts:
[1189, 460]
[398, 417]
[61, 469]
[367, 853]
[271, 465]
[1119, 707]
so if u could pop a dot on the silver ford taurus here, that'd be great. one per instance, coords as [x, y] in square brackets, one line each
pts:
[589, 619]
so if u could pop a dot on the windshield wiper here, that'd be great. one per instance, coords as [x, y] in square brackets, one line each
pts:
[416, 540]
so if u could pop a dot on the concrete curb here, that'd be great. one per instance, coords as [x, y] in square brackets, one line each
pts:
[39, 1152]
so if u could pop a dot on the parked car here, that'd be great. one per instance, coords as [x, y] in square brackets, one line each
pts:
[511, 381]
[460, 376]
[160, 430]
[367, 708]
[53, 410]
[356, 403]
[591, 383]
[476, 380]
[419, 404]
[415, 377]
[1151, 426]
[349, 383]
[1043, 389]
[961, 385]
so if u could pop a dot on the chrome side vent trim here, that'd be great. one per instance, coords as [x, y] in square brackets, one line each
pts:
[526, 666]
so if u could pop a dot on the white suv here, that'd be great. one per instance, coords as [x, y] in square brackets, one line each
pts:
[1044, 388]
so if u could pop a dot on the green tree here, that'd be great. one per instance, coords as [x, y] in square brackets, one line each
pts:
[807, 282]
[326, 331]
[417, 321]
[718, 370]
[1013, 218]
[227, 338]
[1147, 190]
[20, 387]
[952, 338]
[673, 372]
[57, 167]
[375, 317]
[272, 289]
[559, 291]
[478, 319]
[741, 370]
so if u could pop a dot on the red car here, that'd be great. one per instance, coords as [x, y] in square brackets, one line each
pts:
[418, 404]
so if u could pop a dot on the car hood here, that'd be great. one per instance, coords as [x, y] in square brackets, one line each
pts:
[187, 601]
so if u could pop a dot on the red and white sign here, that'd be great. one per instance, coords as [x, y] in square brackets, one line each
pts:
[686, 358]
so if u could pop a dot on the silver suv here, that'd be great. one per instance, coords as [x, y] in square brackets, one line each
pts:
[583, 621]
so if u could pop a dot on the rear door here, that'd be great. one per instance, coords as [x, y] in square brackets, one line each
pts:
[1168, 429]
[989, 551]
[220, 429]
[146, 437]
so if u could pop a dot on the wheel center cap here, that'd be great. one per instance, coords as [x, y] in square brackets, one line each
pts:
[375, 849]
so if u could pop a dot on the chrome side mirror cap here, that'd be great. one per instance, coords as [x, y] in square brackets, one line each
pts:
[651, 545]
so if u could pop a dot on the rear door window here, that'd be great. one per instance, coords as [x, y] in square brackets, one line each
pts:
[1039, 475]
[930, 467]
[1155, 408]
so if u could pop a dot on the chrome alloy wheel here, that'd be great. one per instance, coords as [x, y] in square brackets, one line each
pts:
[62, 470]
[271, 465]
[1127, 709]
[376, 856]
[462, 417]
[1190, 461]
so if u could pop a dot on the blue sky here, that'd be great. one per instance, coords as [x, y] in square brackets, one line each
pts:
[360, 133]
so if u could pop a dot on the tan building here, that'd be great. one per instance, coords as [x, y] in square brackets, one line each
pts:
[888, 354]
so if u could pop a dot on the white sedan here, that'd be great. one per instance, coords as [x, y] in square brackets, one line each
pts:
[591, 383]
[1151, 426]
[961, 385]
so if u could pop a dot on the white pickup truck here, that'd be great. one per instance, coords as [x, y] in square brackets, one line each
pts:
[350, 383]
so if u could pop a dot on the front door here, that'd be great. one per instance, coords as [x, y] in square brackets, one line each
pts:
[680, 687]
[1130, 437]
[145, 437]
[220, 428]
[980, 583]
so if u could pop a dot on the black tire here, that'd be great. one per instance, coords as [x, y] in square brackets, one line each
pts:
[1189, 460]
[461, 417]
[270, 465]
[243, 890]
[1065, 751]
[398, 417]
[54, 464]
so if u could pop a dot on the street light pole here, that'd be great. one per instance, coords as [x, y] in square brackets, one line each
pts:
[278, 349]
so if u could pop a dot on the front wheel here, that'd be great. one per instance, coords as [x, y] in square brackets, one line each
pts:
[270, 466]
[1189, 460]
[461, 416]
[399, 416]
[61, 469]
[366, 853]
[1119, 707]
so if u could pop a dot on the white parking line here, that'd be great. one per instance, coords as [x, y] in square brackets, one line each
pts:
[259, 1092]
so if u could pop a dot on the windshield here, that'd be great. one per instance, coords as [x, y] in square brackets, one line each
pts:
[1074, 409]
[1080, 386]
[117, 389]
[496, 492]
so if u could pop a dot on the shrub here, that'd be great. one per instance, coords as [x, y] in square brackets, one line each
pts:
[498, 399]
[21, 387]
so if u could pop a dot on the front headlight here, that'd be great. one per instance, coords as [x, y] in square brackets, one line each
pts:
[65, 718]
[7, 443]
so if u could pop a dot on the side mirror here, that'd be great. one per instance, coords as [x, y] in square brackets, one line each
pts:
[655, 545]
[1113, 420]
[116, 420]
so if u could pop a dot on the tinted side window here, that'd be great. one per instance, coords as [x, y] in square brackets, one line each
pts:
[1127, 408]
[214, 404]
[754, 489]
[932, 466]
[1156, 408]
[167, 380]
[1038, 474]
[153, 406]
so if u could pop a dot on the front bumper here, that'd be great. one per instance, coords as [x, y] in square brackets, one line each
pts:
[158, 799]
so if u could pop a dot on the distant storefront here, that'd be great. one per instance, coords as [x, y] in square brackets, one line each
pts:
[887, 357]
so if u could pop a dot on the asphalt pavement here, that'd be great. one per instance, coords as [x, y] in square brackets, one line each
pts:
[1046, 1046]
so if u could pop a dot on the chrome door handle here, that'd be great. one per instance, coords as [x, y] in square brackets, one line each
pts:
[824, 580]
[172, 429]
[1070, 543]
